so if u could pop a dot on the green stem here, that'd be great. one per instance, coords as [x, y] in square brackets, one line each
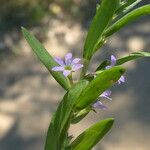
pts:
[85, 68]
[70, 79]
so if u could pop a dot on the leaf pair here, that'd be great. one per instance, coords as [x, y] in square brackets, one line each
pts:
[79, 97]
[76, 97]
[97, 86]
[90, 137]
[57, 132]
[133, 15]
[101, 28]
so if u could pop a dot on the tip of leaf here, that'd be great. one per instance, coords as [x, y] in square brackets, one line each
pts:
[122, 70]
[110, 121]
[23, 29]
[119, 69]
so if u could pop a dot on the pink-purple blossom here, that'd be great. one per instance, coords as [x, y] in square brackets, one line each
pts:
[68, 65]
[113, 62]
[98, 104]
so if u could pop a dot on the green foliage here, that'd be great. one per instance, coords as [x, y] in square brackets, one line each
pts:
[133, 15]
[97, 86]
[45, 58]
[127, 6]
[80, 97]
[57, 131]
[104, 15]
[79, 115]
[90, 137]
[132, 56]
[123, 60]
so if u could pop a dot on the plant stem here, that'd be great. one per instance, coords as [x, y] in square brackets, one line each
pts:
[70, 79]
[85, 68]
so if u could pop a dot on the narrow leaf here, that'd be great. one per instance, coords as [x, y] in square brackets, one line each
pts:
[124, 59]
[132, 56]
[90, 137]
[45, 58]
[59, 126]
[133, 15]
[80, 115]
[127, 6]
[104, 15]
[131, 4]
[103, 65]
[97, 86]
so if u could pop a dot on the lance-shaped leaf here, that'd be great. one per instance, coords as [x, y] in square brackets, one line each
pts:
[103, 65]
[102, 18]
[97, 86]
[59, 126]
[127, 6]
[124, 59]
[80, 115]
[90, 137]
[45, 58]
[132, 56]
[131, 4]
[133, 15]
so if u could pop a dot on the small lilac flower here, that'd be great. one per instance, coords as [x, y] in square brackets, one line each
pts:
[121, 80]
[113, 63]
[106, 94]
[99, 104]
[68, 66]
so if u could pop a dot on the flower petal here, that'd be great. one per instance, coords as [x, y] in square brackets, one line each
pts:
[58, 68]
[75, 61]
[106, 94]
[121, 80]
[76, 67]
[60, 61]
[113, 60]
[68, 59]
[108, 67]
[66, 72]
[99, 105]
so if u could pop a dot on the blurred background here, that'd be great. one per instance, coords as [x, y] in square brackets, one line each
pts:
[29, 95]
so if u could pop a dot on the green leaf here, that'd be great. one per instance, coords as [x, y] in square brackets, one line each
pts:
[97, 86]
[103, 65]
[104, 15]
[133, 15]
[132, 56]
[45, 58]
[80, 115]
[127, 6]
[124, 59]
[57, 132]
[131, 4]
[90, 137]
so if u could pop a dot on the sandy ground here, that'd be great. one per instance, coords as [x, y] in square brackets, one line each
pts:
[29, 95]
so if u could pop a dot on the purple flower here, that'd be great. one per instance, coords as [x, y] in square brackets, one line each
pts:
[99, 104]
[113, 63]
[68, 66]
[106, 94]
